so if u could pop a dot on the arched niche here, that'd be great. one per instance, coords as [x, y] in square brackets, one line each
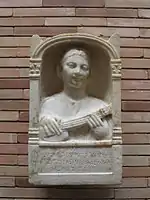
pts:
[100, 77]
[105, 70]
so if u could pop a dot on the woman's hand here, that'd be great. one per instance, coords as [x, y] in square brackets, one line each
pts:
[94, 121]
[50, 126]
[99, 128]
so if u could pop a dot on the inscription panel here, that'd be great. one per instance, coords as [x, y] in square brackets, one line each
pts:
[81, 160]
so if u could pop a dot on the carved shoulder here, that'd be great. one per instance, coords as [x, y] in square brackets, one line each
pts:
[98, 103]
[49, 100]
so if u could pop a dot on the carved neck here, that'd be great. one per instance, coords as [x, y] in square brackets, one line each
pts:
[75, 93]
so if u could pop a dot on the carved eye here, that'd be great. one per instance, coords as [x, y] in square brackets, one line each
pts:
[72, 65]
[85, 67]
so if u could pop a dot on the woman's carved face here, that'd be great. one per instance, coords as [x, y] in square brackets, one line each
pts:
[75, 71]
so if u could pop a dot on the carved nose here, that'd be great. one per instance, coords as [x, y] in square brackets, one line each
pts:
[77, 71]
[77, 74]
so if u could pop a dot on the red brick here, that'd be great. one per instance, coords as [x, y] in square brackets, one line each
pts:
[136, 150]
[5, 12]
[22, 182]
[9, 72]
[8, 42]
[148, 181]
[8, 52]
[107, 31]
[13, 127]
[146, 53]
[26, 93]
[22, 138]
[79, 193]
[136, 171]
[13, 171]
[135, 139]
[13, 52]
[132, 193]
[24, 116]
[8, 138]
[14, 149]
[144, 13]
[9, 115]
[134, 74]
[136, 63]
[134, 182]
[8, 159]
[128, 22]
[14, 83]
[136, 117]
[75, 21]
[136, 105]
[106, 12]
[14, 105]
[22, 160]
[6, 31]
[22, 41]
[135, 161]
[127, 4]
[23, 52]
[135, 84]
[135, 42]
[144, 32]
[131, 52]
[135, 127]
[78, 3]
[7, 181]
[14, 62]
[22, 21]
[135, 95]
[43, 12]
[20, 3]
[11, 94]
[15, 41]
[42, 31]
[24, 72]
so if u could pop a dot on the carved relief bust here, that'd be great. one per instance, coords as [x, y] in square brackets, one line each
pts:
[72, 114]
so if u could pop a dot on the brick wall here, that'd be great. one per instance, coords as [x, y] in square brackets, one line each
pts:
[22, 18]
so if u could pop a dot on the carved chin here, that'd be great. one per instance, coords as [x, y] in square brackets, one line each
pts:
[75, 83]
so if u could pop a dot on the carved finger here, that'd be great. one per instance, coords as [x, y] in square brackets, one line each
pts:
[102, 122]
[50, 126]
[95, 120]
[46, 130]
[91, 122]
[56, 127]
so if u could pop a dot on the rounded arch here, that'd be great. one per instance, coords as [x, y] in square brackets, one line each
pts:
[102, 53]
[61, 38]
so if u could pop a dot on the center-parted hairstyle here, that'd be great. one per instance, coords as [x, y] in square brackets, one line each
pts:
[75, 51]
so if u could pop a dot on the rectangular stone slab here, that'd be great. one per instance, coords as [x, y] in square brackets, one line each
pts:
[70, 165]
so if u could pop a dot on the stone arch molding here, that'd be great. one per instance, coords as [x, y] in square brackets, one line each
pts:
[39, 47]
[43, 46]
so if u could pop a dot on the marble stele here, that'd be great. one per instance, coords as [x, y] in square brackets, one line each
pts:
[75, 110]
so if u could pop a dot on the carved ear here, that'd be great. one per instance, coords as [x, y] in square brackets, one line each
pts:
[35, 41]
[115, 41]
